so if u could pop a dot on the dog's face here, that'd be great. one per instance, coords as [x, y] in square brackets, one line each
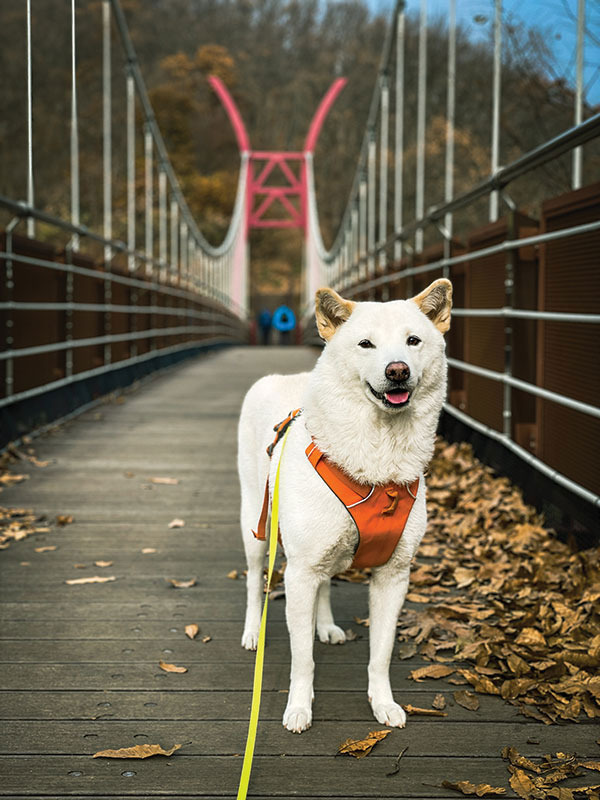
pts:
[394, 351]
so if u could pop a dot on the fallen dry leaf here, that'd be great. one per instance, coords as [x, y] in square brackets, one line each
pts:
[424, 712]
[207, 639]
[171, 667]
[177, 523]
[64, 519]
[95, 579]
[590, 764]
[165, 481]
[363, 622]
[182, 584]
[511, 754]
[431, 671]
[46, 549]
[191, 631]
[147, 550]
[439, 701]
[351, 636]
[103, 563]
[80, 566]
[359, 748]
[522, 785]
[406, 650]
[479, 790]
[139, 751]
[233, 574]
[466, 699]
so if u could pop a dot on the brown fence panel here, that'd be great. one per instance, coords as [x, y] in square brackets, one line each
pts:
[485, 288]
[568, 353]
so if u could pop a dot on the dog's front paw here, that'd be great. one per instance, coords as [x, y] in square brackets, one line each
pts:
[330, 634]
[297, 719]
[250, 639]
[390, 714]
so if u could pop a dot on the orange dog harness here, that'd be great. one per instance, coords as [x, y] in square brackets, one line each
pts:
[379, 512]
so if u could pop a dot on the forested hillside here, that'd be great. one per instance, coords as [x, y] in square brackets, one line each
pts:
[277, 57]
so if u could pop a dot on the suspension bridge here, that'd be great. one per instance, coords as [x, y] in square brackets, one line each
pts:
[146, 468]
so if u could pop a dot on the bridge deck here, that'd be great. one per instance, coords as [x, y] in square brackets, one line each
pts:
[80, 662]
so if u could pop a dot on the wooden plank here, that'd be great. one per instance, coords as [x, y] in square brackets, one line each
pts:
[230, 674]
[181, 704]
[217, 651]
[272, 776]
[424, 738]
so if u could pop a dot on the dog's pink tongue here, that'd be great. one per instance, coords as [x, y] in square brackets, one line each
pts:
[396, 397]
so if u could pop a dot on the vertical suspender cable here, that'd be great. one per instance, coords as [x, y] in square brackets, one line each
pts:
[399, 133]
[30, 220]
[149, 200]
[450, 122]
[130, 171]
[75, 209]
[383, 166]
[578, 151]
[421, 115]
[174, 235]
[371, 206]
[496, 104]
[362, 223]
[162, 220]
[106, 127]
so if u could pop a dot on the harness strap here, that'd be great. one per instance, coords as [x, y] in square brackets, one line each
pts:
[280, 430]
[380, 513]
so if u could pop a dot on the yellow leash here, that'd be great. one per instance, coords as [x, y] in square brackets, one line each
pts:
[260, 650]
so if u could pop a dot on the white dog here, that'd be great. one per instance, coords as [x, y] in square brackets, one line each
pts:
[371, 406]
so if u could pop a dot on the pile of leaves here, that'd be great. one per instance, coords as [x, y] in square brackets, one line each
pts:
[17, 524]
[498, 591]
[539, 780]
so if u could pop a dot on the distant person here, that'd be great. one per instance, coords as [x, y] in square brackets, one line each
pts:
[284, 321]
[264, 323]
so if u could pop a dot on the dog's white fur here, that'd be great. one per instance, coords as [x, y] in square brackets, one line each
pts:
[371, 442]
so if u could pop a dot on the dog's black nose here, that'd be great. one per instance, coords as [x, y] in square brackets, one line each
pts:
[397, 371]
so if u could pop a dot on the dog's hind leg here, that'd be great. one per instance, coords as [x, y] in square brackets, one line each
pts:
[387, 591]
[301, 586]
[327, 631]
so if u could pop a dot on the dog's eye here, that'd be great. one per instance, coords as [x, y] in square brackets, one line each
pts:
[413, 340]
[365, 343]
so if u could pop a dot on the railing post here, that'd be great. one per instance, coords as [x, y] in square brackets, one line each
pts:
[496, 104]
[9, 285]
[30, 200]
[578, 151]
[421, 122]
[355, 271]
[509, 293]
[372, 160]
[362, 221]
[175, 240]
[69, 310]
[131, 261]
[162, 222]
[399, 134]
[74, 139]
[450, 120]
[106, 128]
[383, 168]
[149, 200]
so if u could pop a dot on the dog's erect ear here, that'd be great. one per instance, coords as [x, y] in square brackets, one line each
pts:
[435, 302]
[331, 311]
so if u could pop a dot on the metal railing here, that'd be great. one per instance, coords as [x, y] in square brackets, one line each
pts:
[166, 271]
[372, 252]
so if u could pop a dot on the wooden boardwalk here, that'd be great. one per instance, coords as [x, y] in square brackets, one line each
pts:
[80, 663]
